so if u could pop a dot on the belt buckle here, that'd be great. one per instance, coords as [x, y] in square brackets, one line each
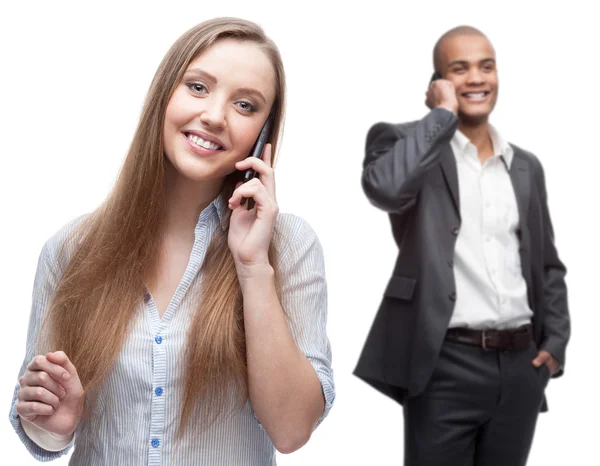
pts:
[484, 338]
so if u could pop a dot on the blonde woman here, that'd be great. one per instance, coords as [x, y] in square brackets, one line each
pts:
[173, 325]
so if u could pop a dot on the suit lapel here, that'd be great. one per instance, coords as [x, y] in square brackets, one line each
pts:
[519, 175]
[448, 164]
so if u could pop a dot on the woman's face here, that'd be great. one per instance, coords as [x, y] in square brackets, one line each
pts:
[218, 109]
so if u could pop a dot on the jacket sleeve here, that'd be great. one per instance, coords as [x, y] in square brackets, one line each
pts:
[395, 163]
[557, 323]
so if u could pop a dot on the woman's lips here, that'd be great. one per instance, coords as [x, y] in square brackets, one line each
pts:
[200, 149]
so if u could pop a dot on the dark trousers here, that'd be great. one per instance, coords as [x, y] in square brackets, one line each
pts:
[479, 409]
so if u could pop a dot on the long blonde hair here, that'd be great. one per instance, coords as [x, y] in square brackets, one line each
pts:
[103, 282]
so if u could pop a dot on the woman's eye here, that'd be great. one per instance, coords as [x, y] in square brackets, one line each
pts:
[246, 106]
[197, 88]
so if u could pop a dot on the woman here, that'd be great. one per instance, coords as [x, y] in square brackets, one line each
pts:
[174, 325]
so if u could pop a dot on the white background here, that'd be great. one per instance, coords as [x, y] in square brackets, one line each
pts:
[72, 82]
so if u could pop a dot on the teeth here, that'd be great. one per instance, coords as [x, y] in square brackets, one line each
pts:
[478, 95]
[202, 143]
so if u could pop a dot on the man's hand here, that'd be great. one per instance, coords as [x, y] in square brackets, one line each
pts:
[544, 357]
[441, 93]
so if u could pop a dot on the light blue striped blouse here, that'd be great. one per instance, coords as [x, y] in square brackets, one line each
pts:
[138, 407]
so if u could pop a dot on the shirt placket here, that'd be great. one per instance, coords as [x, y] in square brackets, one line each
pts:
[159, 354]
[159, 376]
[489, 212]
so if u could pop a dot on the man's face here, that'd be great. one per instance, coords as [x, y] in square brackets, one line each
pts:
[469, 62]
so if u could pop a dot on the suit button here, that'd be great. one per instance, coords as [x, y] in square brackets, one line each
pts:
[452, 296]
[450, 263]
[455, 231]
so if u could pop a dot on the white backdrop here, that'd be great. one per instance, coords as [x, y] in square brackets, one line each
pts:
[71, 88]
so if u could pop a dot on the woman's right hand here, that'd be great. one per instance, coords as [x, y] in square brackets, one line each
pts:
[51, 395]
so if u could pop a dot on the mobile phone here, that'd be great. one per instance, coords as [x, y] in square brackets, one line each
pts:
[257, 151]
[435, 76]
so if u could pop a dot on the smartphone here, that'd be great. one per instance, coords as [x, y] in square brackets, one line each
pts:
[257, 151]
[437, 75]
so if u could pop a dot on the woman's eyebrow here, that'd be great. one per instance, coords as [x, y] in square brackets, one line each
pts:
[251, 91]
[202, 74]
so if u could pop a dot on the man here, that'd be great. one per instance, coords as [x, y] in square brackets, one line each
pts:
[474, 319]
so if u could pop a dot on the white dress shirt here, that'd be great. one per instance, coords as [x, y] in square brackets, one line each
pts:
[490, 289]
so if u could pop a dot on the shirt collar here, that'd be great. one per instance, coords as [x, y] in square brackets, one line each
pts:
[218, 206]
[501, 147]
[221, 207]
[459, 143]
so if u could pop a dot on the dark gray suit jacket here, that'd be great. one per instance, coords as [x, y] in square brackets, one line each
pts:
[410, 172]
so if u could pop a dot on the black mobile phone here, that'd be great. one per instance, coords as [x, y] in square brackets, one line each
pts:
[437, 75]
[257, 151]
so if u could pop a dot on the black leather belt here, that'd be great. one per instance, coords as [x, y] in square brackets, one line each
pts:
[510, 339]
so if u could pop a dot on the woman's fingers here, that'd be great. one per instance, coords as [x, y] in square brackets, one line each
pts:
[56, 371]
[268, 155]
[42, 379]
[38, 394]
[256, 190]
[30, 409]
[262, 167]
[61, 359]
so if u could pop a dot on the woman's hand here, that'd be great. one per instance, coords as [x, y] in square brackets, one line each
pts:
[51, 395]
[250, 231]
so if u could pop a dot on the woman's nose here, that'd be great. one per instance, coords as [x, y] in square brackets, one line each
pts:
[213, 114]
